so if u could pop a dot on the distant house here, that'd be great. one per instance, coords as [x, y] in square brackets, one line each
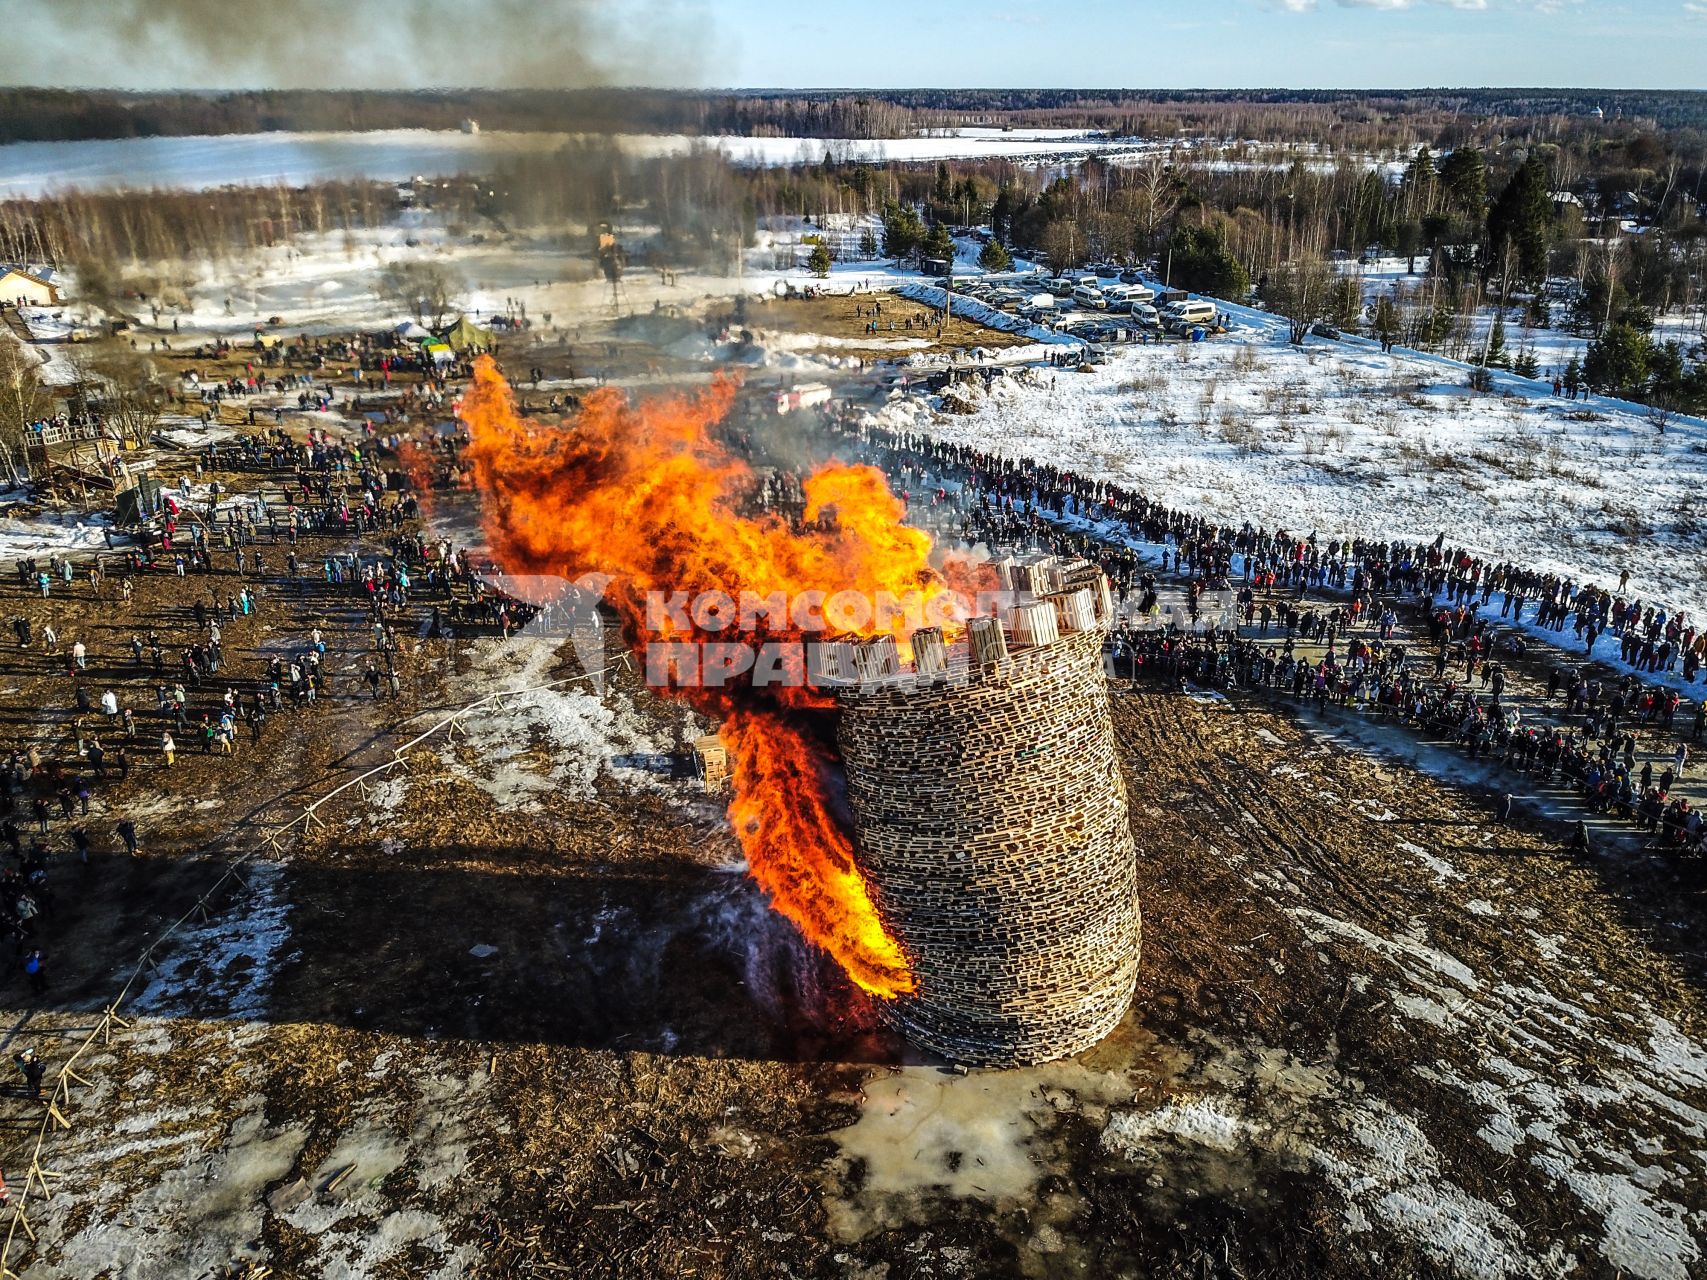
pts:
[28, 286]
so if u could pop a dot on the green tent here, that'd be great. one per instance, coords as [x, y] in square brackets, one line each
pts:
[138, 504]
[465, 334]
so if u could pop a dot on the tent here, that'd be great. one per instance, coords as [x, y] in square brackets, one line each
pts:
[438, 352]
[409, 331]
[465, 334]
[139, 503]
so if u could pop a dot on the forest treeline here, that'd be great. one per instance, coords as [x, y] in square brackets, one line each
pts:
[1598, 226]
[1371, 120]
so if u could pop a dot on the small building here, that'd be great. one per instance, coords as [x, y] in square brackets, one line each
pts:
[28, 286]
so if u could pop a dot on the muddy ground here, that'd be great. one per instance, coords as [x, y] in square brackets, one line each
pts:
[546, 1026]
[515, 1011]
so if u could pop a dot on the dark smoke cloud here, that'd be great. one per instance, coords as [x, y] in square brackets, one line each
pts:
[339, 44]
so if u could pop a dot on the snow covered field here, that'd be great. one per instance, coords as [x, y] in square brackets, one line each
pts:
[35, 168]
[1554, 347]
[1344, 441]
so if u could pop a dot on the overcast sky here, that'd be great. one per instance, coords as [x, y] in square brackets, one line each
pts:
[873, 43]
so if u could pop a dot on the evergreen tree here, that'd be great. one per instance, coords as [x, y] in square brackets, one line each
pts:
[1464, 174]
[993, 257]
[1001, 215]
[903, 230]
[1521, 219]
[1524, 364]
[867, 243]
[1666, 376]
[1573, 377]
[819, 260]
[1618, 361]
[1203, 264]
[1496, 344]
[1419, 173]
[938, 243]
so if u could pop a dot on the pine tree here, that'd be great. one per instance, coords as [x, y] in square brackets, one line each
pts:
[1464, 174]
[1418, 179]
[819, 260]
[903, 229]
[993, 257]
[1203, 264]
[1619, 360]
[1521, 219]
[938, 243]
[1496, 344]
[1524, 364]
[868, 243]
[1573, 377]
[1001, 215]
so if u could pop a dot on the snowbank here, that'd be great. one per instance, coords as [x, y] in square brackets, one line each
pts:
[988, 316]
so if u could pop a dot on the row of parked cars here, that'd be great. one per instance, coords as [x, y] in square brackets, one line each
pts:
[1092, 298]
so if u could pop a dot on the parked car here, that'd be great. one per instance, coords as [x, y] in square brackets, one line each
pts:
[1322, 329]
[1131, 276]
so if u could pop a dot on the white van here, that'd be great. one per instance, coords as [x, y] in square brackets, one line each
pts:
[1060, 286]
[1089, 296]
[1123, 297]
[1146, 315]
[1183, 315]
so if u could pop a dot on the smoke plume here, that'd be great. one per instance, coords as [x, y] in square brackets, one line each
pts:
[368, 44]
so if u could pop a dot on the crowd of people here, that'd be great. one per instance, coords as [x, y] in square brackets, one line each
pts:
[1452, 687]
[330, 519]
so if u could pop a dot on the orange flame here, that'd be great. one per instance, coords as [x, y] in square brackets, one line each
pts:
[645, 494]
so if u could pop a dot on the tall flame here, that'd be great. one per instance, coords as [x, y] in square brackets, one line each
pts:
[643, 493]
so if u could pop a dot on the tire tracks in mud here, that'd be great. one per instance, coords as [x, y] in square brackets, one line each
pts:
[1237, 779]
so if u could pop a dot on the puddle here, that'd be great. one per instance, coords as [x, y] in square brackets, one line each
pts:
[927, 1137]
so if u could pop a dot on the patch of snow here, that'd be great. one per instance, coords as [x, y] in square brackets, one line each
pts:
[578, 731]
[223, 967]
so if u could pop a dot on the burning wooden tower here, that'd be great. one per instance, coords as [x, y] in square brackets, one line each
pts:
[991, 820]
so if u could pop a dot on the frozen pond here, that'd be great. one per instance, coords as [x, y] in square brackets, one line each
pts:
[34, 168]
